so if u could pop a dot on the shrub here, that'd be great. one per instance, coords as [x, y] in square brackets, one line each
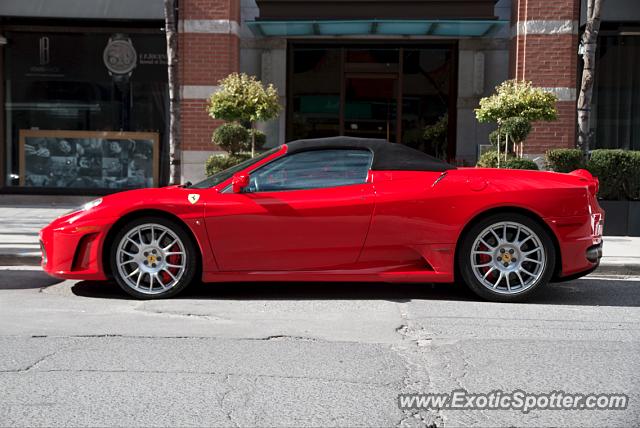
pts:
[217, 163]
[565, 160]
[244, 98]
[521, 163]
[232, 137]
[261, 140]
[618, 172]
[489, 159]
[517, 128]
[436, 135]
[633, 191]
[514, 98]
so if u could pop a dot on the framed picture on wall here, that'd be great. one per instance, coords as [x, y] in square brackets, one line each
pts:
[88, 159]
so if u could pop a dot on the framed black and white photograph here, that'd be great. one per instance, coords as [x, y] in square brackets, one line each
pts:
[88, 159]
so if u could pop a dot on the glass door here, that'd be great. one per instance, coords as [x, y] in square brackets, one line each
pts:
[371, 106]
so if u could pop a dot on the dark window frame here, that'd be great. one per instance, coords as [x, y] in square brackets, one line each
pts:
[451, 44]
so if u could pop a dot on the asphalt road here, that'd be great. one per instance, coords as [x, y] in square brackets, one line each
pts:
[83, 354]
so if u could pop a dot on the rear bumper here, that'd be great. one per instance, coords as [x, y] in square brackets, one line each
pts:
[580, 244]
[594, 253]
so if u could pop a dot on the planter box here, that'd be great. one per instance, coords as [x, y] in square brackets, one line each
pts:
[622, 218]
[634, 218]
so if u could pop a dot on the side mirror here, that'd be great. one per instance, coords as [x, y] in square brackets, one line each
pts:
[240, 182]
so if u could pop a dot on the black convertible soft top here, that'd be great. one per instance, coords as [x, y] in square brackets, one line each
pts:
[386, 156]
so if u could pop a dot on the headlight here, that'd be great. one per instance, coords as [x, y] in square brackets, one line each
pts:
[87, 206]
[91, 204]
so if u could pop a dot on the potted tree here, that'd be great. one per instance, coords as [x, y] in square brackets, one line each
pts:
[514, 107]
[244, 99]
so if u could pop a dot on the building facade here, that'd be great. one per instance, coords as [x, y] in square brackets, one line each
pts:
[85, 102]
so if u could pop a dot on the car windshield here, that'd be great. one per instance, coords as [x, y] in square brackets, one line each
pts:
[221, 176]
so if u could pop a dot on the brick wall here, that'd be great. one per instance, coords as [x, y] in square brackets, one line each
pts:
[544, 50]
[209, 51]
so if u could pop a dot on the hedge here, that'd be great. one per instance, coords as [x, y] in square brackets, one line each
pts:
[618, 172]
[522, 163]
[565, 160]
[489, 159]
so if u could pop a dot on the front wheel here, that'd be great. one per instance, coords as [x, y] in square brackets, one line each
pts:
[153, 258]
[506, 257]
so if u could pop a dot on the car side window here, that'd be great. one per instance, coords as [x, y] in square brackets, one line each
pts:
[314, 169]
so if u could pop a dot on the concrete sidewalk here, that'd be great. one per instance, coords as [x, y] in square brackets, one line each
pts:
[19, 228]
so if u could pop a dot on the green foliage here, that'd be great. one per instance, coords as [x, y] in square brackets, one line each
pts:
[243, 98]
[521, 163]
[217, 163]
[436, 135]
[489, 159]
[633, 190]
[515, 98]
[232, 137]
[618, 172]
[516, 128]
[235, 138]
[565, 160]
[261, 140]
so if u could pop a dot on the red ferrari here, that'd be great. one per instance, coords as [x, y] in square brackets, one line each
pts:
[338, 209]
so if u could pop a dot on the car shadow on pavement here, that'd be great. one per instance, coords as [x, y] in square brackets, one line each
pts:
[20, 279]
[582, 292]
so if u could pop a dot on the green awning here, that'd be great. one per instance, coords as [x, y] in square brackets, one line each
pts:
[443, 28]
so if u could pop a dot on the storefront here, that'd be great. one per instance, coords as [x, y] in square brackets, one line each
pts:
[84, 85]
[394, 91]
[85, 106]
[389, 70]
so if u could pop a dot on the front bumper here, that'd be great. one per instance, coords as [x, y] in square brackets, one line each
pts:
[73, 250]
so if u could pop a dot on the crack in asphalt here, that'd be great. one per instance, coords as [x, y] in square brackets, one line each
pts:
[199, 373]
[276, 337]
[417, 338]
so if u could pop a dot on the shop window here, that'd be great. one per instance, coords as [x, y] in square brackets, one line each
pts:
[84, 111]
[315, 93]
[617, 93]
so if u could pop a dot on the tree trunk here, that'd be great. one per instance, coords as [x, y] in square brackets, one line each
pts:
[253, 140]
[590, 44]
[171, 29]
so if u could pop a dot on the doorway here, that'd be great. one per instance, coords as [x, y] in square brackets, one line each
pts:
[370, 106]
[404, 93]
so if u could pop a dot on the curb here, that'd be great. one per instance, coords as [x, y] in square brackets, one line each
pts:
[19, 260]
[625, 269]
[605, 269]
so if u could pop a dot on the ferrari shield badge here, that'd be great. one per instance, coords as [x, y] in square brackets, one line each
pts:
[193, 198]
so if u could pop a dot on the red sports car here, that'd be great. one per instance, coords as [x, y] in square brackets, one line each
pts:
[338, 209]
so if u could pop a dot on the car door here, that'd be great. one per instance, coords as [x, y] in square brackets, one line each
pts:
[309, 210]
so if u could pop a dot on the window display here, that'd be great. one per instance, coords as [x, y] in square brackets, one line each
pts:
[84, 111]
[86, 160]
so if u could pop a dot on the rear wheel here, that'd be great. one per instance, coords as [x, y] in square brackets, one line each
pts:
[506, 257]
[153, 258]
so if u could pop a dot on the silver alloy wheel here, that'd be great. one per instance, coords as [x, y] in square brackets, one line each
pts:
[151, 259]
[508, 258]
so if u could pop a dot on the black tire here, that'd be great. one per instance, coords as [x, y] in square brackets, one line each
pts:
[190, 255]
[499, 293]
